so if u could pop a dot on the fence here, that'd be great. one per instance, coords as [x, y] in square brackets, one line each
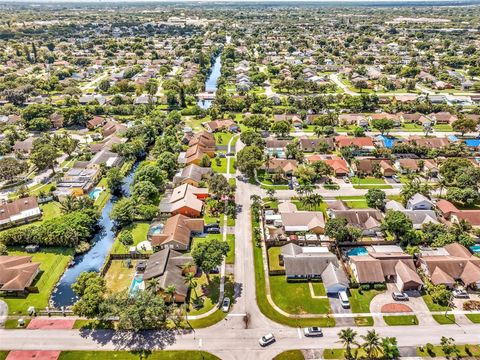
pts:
[108, 262]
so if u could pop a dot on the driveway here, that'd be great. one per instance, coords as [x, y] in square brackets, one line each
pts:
[337, 308]
[3, 313]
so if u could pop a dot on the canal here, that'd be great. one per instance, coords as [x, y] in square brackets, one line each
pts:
[93, 259]
[211, 81]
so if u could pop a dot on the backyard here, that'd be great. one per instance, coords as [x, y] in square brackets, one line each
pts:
[119, 276]
[139, 232]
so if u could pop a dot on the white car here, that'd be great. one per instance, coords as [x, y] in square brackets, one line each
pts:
[460, 294]
[346, 179]
[312, 331]
[226, 304]
[266, 340]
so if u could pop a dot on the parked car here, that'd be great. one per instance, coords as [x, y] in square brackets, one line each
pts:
[212, 230]
[230, 154]
[215, 270]
[266, 340]
[395, 178]
[400, 296]
[346, 179]
[226, 304]
[221, 155]
[460, 294]
[312, 331]
[343, 296]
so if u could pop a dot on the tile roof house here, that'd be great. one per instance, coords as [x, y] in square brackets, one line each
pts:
[20, 211]
[24, 146]
[386, 263]
[286, 166]
[95, 122]
[314, 263]
[221, 125]
[416, 118]
[168, 267]
[338, 164]
[201, 144]
[177, 233]
[113, 127]
[352, 119]
[443, 117]
[301, 221]
[370, 167]
[449, 264]
[311, 145]
[451, 213]
[364, 143]
[17, 273]
[429, 142]
[367, 220]
[191, 174]
[185, 199]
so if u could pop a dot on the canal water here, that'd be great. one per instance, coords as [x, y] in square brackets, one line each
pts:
[211, 82]
[93, 259]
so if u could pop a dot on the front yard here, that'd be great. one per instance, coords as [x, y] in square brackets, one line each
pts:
[369, 182]
[401, 320]
[53, 262]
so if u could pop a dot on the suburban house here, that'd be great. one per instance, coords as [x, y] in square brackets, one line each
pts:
[365, 144]
[286, 166]
[373, 167]
[168, 267]
[185, 199]
[294, 221]
[17, 273]
[24, 146]
[312, 145]
[352, 119]
[201, 144]
[429, 142]
[451, 213]
[191, 174]
[276, 147]
[408, 166]
[338, 164]
[367, 220]
[419, 202]
[314, 263]
[78, 180]
[386, 263]
[221, 125]
[113, 127]
[418, 217]
[177, 233]
[416, 118]
[450, 264]
[443, 117]
[20, 211]
[95, 122]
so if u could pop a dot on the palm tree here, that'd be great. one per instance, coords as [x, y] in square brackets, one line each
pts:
[317, 130]
[372, 344]
[152, 285]
[305, 188]
[314, 200]
[191, 283]
[170, 290]
[348, 338]
[69, 204]
[271, 194]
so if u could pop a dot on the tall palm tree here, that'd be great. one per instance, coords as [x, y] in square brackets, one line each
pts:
[315, 200]
[191, 283]
[348, 338]
[372, 344]
[305, 188]
[318, 131]
[170, 290]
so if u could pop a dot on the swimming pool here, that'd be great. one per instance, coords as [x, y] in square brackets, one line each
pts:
[137, 284]
[388, 142]
[95, 193]
[358, 251]
[278, 153]
[156, 229]
[475, 248]
[473, 142]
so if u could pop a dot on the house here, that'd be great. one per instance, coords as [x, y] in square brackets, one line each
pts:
[107, 157]
[17, 273]
[312, 145]
[78, 180]
[365, 144]
[374, 167]
[367, 220]
[419, 202]
[451, 213]
[314, 263]
[57, 120]
[168, 267]
[452, 263]
[338, 164]
[418, 217]
[191, 174]
[113, 127]
[185, 199]
[24, 146]
[386, 263]
[429, 142]
[416, 118]
[352, 119]
[276, 147]
[177, 233]
[443, 117]
[221, 125]
[95, 122]
[294, 221]
[20, 211]
[286, 166]
[201, 144]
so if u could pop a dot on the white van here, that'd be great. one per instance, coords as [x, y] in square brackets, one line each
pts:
[342, 295]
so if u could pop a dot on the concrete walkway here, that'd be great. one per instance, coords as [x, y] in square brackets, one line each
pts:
[3, 313]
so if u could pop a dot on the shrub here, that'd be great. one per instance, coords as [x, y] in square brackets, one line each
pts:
[380, 287]
[365, 287]
[471, 305]
[429, 347]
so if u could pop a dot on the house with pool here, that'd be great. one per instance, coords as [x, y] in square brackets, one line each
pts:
[176, 233]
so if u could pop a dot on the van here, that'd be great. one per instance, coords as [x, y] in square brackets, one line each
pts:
[342, 295]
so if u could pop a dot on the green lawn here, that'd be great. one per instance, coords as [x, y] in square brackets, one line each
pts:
[222, 138]
[475, 318]
[401, 320]
[340, 353]
[363, 321]
[474, 351]
[273, 259]
[290, 355]
[53, 262]
[139, 232]
[412, 127]
[3, 355]
[13, 324]
[265, 306]
[294, 297]
[219, 165]
[208, 293]
[230, 259]
[360, 300]
[49, 211]
[102, 199]
[444, 320]
[319, 289]
[301, 207]
[133, 355]
[433, 306]
[369, 182]
[357, 204]
[119, 277]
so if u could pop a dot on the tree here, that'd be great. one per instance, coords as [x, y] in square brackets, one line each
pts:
[251, 137]
[383, 125]
[390, 348]
[376, 198]
[68, 204]
[44, 156]
[341, 231]
[209, 254]
[372, 344]
[281, 128]
[90, 287]
[218, 185]
[448, 346]
[145, 192]
[249, 159]
[11, 168]
[256, 122]
[167, 162]
[464, 125]
[191, 282]
[348, 338]
[126, 238]
[170, 291]
[312, 201]
[114, 180]
[153, 174]
[205, 161]
[123, 212]
[68, 145]
[271, 194]
[397, 223]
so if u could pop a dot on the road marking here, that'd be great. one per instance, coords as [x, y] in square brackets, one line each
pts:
[299, 333]
[236, 314]
[200, 343]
